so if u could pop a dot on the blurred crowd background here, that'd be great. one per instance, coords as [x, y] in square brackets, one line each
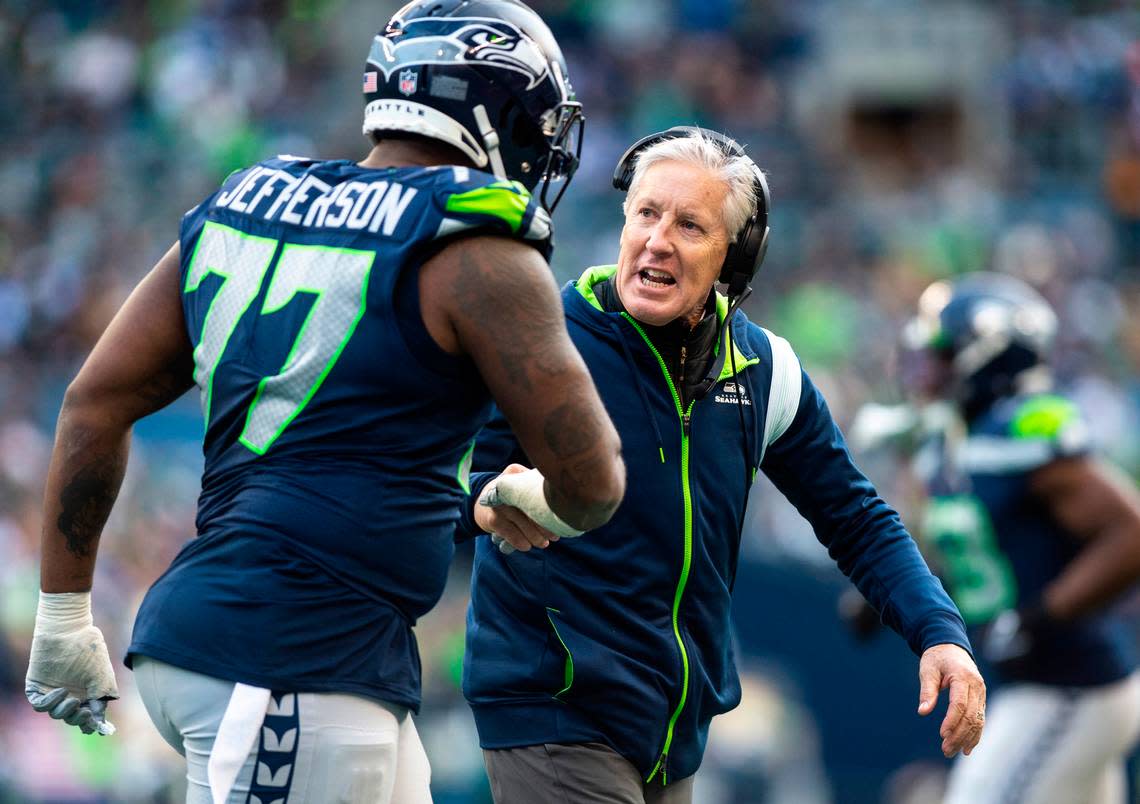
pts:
[904, 142]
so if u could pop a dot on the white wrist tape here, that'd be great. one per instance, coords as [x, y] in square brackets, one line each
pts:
[68, 651]
[63, 612]
[525, 492]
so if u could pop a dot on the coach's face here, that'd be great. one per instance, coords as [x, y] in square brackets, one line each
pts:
[673, 243]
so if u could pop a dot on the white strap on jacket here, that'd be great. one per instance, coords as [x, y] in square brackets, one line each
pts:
[783, 393]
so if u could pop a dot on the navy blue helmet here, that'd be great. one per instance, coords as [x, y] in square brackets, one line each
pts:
[993, 332]
[483, 76]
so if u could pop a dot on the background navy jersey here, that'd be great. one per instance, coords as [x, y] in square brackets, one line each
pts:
[997, 545]
[335, 428]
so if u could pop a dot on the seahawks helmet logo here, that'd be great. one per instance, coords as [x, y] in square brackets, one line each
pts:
[457, 40]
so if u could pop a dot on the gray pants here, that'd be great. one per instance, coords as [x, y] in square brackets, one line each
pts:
[245, 744]
[589, 773]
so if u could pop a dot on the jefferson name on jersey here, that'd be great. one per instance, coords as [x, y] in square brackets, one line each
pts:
[276, 195]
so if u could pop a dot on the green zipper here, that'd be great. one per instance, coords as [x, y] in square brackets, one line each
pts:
[684, 415]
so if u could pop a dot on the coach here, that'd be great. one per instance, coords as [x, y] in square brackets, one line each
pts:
[595, 666]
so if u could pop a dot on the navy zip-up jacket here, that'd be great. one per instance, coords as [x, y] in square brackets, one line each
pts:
[622, 636]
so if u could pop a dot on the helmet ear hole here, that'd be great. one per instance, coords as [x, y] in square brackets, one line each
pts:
[517, 128]
[524, 134]
[521, 143]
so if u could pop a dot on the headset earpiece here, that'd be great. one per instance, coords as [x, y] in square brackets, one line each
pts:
[747, 251]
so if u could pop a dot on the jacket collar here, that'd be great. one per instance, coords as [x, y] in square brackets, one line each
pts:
[600, 273]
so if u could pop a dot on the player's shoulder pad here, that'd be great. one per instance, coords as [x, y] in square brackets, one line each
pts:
[291, 159]
[236, 177]
[279, 162]
[227, 185]
[1044, 416]
[471, 200]
[1051, 419]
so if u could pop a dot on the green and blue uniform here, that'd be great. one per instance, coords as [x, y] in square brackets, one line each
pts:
[997, 545]
[335, 427]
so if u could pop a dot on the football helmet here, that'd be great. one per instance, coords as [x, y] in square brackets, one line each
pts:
[992, 332]
[483, 76]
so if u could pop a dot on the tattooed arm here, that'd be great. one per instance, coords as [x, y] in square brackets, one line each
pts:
[142, 362]
[495, 299]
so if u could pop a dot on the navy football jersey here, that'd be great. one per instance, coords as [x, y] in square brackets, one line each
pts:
[336, 430]
[996, 545]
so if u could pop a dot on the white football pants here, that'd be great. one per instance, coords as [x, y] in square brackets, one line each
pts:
[245, 745]
[1051, 745]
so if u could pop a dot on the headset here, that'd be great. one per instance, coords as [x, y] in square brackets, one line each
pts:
[747, 251]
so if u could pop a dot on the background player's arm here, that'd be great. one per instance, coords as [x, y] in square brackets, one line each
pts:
[1097, 504]
[494, 299]
[142, 362]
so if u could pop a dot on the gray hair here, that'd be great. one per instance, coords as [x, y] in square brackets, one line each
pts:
[697, 149]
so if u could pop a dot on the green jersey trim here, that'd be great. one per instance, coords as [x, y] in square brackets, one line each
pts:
[507, 201]
[1043, 416]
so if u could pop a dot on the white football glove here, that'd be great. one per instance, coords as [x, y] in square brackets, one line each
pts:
[69, 673]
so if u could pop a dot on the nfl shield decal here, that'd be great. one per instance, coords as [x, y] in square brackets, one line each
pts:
[407, 85]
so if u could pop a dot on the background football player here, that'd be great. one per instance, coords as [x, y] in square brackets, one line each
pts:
[1035, 537]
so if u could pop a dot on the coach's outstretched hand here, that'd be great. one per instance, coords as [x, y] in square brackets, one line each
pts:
[950, 666]
[69, 674]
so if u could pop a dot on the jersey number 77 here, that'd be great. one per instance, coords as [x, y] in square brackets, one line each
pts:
[338, 277]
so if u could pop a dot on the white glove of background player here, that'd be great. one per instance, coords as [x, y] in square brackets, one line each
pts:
[69, 674]
[513, 509]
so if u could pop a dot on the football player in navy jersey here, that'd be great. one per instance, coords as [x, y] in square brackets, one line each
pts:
[348, 326]
[1035, 538]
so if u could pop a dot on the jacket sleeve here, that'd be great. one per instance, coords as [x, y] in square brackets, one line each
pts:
[811, 466]
[495, 448]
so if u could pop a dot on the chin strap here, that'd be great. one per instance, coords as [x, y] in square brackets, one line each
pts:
[490, 141]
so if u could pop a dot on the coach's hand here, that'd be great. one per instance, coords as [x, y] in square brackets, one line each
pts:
[950, 666]
[509, 527]
[69, 673]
